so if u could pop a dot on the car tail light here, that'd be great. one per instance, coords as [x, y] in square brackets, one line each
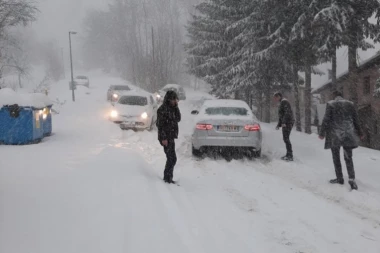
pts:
[252, 128]
[204, 127]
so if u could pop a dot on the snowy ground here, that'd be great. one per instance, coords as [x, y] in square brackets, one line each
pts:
[92, 188]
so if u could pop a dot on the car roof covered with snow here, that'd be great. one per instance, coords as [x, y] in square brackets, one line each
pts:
[172, 86]
[135, 93]
[225, 103]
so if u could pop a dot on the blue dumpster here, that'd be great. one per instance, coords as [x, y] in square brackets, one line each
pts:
[47, 121]
[20, 125]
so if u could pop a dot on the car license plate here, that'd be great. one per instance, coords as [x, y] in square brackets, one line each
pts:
[128, 124]
[228, 128]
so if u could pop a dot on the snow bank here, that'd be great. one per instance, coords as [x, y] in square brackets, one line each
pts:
[10, 97]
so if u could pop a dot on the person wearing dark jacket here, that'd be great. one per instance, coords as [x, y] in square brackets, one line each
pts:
[286, 122]
[341, 128]
[168, 116]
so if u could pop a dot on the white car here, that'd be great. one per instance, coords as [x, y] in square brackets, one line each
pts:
[82, 80]
[174, 87]
[114, 91]
[135, 110]
[226, 125]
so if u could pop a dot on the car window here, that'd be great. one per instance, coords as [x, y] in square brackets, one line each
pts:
[133, 100]
[120, 87]
[227, 111]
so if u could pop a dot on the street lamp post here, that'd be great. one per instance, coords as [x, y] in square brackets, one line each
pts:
[63, 64]
[71, 63]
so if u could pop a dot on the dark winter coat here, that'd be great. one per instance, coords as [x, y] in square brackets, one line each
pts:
[285, 113]
[168, 117]
[341, 125]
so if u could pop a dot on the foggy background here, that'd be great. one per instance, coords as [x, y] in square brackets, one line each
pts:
[57, 17]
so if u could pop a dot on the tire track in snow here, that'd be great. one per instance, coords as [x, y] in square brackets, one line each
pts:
[362, 212]
[174, 214]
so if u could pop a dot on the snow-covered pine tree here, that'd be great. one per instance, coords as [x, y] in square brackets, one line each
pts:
[276, 25]
[257, 75]
[208, 48]
[347, 22]
[302, 39]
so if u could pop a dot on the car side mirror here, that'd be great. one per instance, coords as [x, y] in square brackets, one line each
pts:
[195, 112]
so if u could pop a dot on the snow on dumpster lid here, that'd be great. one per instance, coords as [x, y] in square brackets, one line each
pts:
[10, 97]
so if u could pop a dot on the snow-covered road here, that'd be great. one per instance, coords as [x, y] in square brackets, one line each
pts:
[92, 188]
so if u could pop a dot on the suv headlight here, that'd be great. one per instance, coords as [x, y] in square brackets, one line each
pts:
[144, 115]
[115, 95]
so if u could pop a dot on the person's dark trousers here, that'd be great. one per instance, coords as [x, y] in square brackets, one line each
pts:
[286, 135]
[348, 159]
[171, 160]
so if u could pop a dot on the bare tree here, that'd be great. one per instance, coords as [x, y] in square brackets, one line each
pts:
[16, 12]
[12, 57]
[140, 39]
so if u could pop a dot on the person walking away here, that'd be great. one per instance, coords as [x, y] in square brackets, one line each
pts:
[168, 116]
[286, 122]
[341, 128]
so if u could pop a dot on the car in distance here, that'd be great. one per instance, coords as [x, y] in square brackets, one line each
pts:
[135, 110]
[174, 87]
[82, 80]
[114, 91]
[226, 125]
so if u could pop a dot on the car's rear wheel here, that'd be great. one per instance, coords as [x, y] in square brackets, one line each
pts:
[253, 153]
[196, 152]
[257, 154]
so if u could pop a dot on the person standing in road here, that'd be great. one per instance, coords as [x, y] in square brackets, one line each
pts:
[286, 122]
[341, 128]
[168, 116]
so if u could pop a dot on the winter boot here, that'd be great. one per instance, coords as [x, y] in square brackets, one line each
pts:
[287, 158]
[337, 181]
[169, 181]
[353, 184]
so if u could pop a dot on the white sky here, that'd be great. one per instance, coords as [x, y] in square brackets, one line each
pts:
[57, 17]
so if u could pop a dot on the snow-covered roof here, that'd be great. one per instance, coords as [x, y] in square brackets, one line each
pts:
[10, 97]
[362, 66]
[226, 103]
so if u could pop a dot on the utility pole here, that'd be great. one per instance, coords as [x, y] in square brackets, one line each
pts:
[71, 64]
